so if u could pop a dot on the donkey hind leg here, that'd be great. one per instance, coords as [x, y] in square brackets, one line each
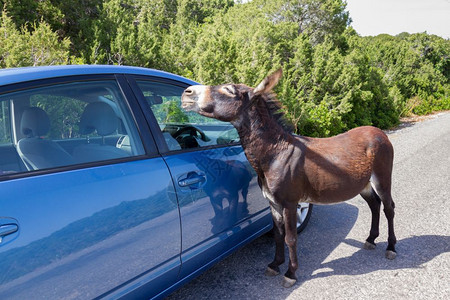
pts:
[384, 192]
[290, 225]
[273, 268]
[389, 207]
[374, 202]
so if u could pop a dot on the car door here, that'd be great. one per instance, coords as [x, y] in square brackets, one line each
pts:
[87, 207]
[221, 205]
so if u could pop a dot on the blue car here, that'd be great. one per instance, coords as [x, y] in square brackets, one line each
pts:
[108, 189]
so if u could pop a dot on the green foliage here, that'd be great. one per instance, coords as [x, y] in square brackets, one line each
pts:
[333, 79]
[30, 47]
[71, 20]
[316, 18]
[172, 113]
[416, 70]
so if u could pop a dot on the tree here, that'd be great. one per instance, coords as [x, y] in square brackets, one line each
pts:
[31, 47]
[69, 19]
[415, 67]
[315, 18]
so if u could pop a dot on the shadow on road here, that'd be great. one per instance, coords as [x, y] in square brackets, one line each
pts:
[412, 253]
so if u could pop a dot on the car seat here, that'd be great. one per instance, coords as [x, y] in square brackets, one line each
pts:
[35, 151]
[99, 117]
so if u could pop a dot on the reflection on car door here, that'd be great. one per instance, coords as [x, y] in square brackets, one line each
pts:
[219, 200]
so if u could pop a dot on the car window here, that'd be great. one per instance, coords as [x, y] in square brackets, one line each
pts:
[181, 129]
[65, 124]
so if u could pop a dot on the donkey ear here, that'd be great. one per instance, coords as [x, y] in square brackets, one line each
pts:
[268, 83]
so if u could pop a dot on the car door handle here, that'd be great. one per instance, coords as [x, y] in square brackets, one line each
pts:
[191, 179]
[7, 229]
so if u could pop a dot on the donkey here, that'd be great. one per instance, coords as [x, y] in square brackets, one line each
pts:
[293, 169]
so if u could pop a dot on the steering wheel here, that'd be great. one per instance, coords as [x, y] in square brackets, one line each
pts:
[192, 132]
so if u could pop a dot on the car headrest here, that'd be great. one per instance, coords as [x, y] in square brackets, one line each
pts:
[98, 116]
[34, 122]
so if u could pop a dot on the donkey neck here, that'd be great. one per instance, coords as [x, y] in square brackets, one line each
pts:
[262, 137]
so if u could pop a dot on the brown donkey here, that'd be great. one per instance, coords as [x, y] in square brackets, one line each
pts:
[293, 169]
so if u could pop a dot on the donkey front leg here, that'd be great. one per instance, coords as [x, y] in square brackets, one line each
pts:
[273, 268]
[290, 224]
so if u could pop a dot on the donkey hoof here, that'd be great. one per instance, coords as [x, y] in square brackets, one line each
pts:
[271, 272]
[390, 254]
[288, 282]
[369, 246]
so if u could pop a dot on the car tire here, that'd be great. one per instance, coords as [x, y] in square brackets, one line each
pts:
[304, 211]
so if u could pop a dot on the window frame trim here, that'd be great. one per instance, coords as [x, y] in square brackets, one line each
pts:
[10, 118]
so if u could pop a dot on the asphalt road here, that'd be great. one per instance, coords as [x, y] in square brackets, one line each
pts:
[333, 264]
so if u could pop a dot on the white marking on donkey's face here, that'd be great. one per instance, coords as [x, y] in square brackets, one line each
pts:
[194, 97]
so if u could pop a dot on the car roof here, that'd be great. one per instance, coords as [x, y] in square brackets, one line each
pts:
[16, 75]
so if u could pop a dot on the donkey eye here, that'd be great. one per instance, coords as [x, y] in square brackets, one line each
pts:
[229, 89]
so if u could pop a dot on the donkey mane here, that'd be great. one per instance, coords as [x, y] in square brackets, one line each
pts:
[270, 107]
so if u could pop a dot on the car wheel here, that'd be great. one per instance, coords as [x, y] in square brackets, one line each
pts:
[304, 211]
